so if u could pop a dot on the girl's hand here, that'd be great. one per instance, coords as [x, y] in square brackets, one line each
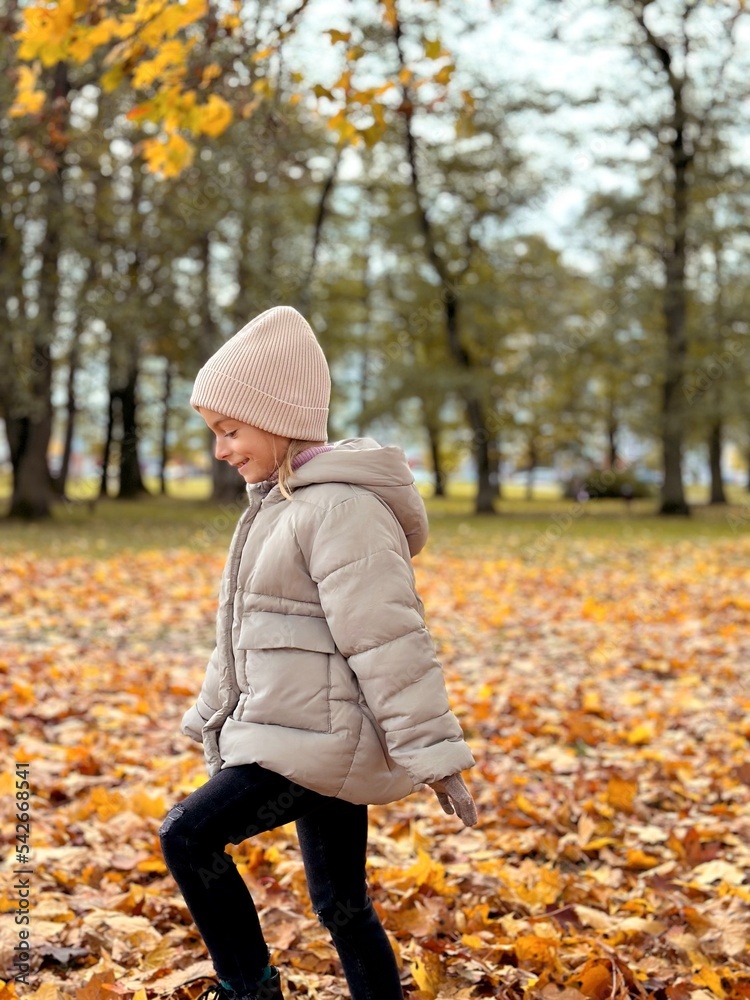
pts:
[455, 797]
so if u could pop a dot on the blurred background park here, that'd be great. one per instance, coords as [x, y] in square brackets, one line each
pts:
[519, 230]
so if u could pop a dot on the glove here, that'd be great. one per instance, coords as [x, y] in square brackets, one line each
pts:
[455, 797]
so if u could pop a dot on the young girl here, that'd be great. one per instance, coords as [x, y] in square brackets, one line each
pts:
[323, 693]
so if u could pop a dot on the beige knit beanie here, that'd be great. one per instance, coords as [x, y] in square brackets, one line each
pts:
[273, 375]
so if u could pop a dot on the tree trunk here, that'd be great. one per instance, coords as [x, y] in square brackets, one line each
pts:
[164, 457]
[674, 298]
[32, 495]
[533, 460]
[714, 456]
[107, 446]
[305, 289]
[486, 489]
[61, 481]
[30, 427]
[438, 475]
[612, 428]
[29, 432]
[228, 486]
[131, 482]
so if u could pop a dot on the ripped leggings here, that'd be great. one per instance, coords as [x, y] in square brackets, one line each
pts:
[239, 802]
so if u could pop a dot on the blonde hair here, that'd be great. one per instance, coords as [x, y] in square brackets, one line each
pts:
[296, 447]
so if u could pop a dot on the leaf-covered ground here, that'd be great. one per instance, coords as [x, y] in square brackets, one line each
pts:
[605, 693]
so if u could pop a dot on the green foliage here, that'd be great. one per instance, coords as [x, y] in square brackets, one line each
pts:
[609, 484]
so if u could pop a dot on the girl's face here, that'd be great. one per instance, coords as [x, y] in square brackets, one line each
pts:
[256, 454]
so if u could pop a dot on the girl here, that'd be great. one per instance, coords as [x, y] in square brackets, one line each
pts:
[323, 693]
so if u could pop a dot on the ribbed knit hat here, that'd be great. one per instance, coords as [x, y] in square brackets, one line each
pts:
[272, 375]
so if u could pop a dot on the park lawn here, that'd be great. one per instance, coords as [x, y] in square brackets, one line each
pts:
[171, 522]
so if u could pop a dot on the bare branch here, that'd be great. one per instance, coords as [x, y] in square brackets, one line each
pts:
[731, 48]
[658, 47]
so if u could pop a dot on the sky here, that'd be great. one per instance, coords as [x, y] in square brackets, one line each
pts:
[526, 47]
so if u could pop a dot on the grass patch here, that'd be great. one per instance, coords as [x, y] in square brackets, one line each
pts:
[168, 522]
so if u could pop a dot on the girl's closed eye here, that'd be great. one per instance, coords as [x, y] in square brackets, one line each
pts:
[230, 434]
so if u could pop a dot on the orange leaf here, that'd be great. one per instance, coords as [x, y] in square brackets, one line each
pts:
[621, 793]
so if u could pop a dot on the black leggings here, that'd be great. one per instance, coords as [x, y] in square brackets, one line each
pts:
[239, 802]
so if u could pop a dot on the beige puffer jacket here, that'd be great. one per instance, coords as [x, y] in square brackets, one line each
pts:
[323, 669]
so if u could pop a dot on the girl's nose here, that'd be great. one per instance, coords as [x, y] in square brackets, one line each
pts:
[221, 451]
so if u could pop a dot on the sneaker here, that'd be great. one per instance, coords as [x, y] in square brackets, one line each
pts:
[269, 990]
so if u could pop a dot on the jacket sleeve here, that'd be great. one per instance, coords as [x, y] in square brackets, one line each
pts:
[365, 579]
[206, 705]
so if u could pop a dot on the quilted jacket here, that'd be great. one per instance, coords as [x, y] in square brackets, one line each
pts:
[323, 669]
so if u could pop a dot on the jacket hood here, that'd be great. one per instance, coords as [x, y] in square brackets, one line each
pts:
[382, 469]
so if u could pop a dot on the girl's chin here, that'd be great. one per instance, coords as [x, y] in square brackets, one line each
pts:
[252, 475]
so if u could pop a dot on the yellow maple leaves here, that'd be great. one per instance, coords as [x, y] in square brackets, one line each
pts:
[151, 47]
[168, 65]
[178, 110]
[143, 47]
[44, 32]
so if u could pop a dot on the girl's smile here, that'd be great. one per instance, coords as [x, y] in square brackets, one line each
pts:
[254, 453]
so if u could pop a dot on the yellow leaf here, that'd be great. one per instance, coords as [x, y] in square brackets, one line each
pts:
[425, 871]
[373, 134]
[644, 733]
[473, 941]
[338, 36]
[153, 864]
[61, 20]
[169, 157]
[535, 951]
[427, 973]
[263, 53]
[112, 79]
[708, 977]
[214, 116]
[28, 100]
[47, 991]
[391, 17]
[345, 80]
[641, 860]
[87, 41]
[433, 49]
[210, 72]
[146, 805]
[526, 806]
[154, 28]
[598, 842]
[168, 65]
[465, 129]
[444, 75]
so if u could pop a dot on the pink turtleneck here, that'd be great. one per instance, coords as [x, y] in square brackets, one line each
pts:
[304, 456]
